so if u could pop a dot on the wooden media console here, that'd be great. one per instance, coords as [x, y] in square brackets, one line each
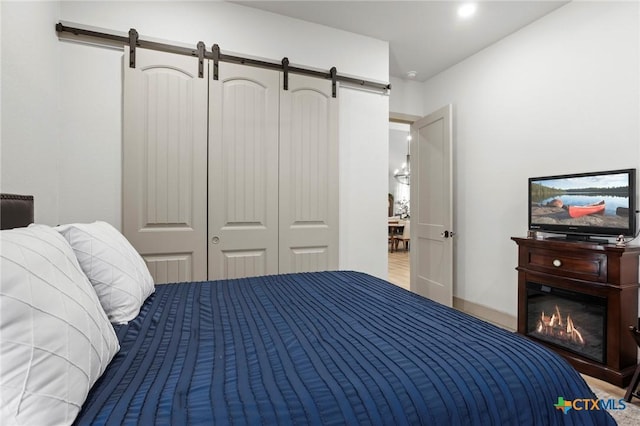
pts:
[601, 277]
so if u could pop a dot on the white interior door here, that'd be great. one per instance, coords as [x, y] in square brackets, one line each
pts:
[308, 176]
[243, 172]
[432, 207]
[165, 164]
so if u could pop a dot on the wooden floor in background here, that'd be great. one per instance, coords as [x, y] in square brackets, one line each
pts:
[399, 275]
[399, 268]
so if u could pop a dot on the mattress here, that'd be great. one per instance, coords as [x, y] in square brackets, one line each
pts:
[325, 348]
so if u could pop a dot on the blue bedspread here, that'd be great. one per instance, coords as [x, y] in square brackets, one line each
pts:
[325, 348]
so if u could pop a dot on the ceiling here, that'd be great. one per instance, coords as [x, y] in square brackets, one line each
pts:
[424, 36]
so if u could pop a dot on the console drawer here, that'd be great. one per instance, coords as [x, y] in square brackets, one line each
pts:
[591, 267]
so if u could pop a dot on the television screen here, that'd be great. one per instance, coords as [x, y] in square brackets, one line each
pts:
[584, 204]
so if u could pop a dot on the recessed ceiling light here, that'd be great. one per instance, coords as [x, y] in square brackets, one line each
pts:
[412, 74]
[467, 10]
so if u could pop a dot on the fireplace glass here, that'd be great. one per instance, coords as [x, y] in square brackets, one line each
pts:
[574, 321]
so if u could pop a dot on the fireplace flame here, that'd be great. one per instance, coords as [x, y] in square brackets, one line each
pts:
[559, 316]
[554, 326]
[576, 337]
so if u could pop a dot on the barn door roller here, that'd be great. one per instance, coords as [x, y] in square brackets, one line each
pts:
[200, 52]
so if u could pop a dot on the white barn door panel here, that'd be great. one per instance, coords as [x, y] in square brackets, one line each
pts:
[243, 172]
[228, 178]
[308, 207]
[165, 164]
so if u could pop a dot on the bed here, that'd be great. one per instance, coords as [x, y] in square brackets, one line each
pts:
[335, 347]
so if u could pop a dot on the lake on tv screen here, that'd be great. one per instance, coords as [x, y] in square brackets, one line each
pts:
[611, 203]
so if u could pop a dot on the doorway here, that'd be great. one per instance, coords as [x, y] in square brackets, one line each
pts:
[399, 205]
[431, 247]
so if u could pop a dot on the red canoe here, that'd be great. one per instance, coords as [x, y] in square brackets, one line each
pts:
[578, 211]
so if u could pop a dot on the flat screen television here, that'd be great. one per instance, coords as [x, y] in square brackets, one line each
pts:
[584, 205]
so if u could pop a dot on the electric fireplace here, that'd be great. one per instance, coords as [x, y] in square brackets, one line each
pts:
[576, 322]
[579, 299]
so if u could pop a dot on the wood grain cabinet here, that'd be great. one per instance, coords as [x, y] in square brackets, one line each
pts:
[584, 270]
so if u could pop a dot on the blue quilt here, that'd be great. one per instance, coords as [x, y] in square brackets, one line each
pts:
[326, 348]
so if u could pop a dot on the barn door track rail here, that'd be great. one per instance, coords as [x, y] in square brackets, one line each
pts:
[134, 41]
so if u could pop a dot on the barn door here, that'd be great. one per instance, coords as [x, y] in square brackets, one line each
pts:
[256, 195]
[308, 176]
[165, 164]
[243, 172]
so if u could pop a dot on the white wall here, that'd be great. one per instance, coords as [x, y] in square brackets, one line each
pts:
[239, 29]
[30, 101]
[363, 181]
[90, 177]
[562, 95]
[87, 183]
[406, 97]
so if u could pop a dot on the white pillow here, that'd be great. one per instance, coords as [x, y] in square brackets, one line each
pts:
[118, 273]
[55, 339]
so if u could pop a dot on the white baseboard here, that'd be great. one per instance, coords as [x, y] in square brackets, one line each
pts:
[498, 318]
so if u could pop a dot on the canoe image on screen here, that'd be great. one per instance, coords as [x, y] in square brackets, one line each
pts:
[595, 208]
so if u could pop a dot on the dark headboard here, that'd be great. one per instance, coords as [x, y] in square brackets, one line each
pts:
[15, 210]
